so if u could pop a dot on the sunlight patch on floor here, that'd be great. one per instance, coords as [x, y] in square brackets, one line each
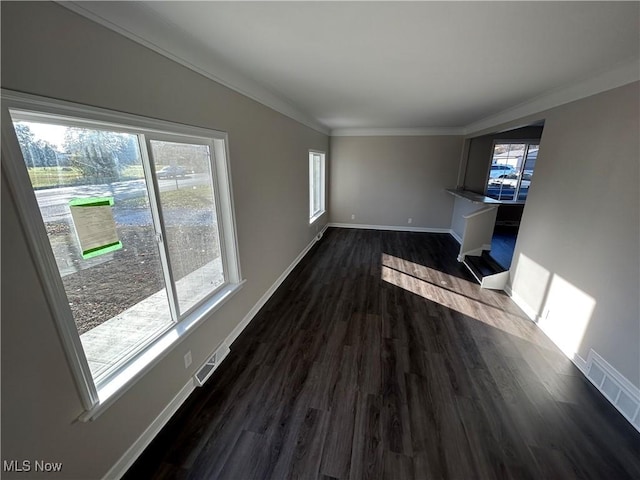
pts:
[440, 288]
[433, 276]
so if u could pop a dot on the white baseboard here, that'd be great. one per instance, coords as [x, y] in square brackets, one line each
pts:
[580, 362]
[390, 228]
[524, 306]
[614, 386]
[456, 236]
[256, 308]
[143, 441]
[134, 451]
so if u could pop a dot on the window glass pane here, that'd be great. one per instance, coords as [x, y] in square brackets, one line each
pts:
[506, 166]
[185, 182]
[117, 297]
[316, 183]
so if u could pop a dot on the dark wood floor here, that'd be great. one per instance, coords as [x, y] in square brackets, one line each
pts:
[379, 357]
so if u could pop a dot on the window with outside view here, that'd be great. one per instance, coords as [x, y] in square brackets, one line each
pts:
[160, 192]
[511, 170]
[316, 185]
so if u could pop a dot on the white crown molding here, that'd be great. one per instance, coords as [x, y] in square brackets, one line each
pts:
[395, 132]
[145, 27]
[620, 75]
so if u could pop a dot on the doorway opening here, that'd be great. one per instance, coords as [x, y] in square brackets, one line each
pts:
[501, 166]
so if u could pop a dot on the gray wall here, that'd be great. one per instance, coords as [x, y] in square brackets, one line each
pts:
[50, 51]
[480, 155]
[384, 181]
[576, 263]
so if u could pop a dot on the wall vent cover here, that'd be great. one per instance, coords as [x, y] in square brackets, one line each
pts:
[615, 387]
[206, 370]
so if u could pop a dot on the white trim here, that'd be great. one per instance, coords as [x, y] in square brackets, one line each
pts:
[457, 237]
[313, 188]
[471, 270]
[580, 362]
[497, 281]
[524, 306]
[38, 106]
[143, 441]
[479, 212]
[397, 132]
[313, 219]
[618, 76]
[390, 227]
[267, 295]
[145, 27]
[132, 372]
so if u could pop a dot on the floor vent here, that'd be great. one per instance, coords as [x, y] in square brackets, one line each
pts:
[615, 387]
[203, 374]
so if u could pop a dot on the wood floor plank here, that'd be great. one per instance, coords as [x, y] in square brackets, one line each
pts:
[380, 357]
[367, 449]
[309, 446]
[247, 459]
[396, 423]
[336, 460]
[427, 447]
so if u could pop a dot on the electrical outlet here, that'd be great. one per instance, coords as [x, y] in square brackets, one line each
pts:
[410, 220]
[353, 216]
[187, 359]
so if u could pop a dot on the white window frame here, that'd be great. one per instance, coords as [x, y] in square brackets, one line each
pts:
[315, 214]
[528, 143]
[97, 397]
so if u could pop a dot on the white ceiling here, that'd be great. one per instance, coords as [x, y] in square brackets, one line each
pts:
[357, 66]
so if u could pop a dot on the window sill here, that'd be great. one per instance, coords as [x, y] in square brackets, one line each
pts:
[316, 217]
[130, 373]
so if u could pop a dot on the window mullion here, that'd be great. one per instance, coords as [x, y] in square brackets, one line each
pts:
[158, 224]
[521, 174]
[218, 207]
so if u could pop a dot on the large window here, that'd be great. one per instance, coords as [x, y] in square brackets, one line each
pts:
[316, 185]
[136, 220]
[511, 171]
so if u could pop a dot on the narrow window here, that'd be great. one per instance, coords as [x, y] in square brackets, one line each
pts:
[316, 185]
[140, 227]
